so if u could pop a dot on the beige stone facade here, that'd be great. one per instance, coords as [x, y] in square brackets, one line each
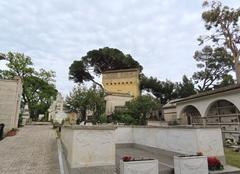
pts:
[115, 100]
[125, 81]
[120, 86]
[170, 112]
[10, 99]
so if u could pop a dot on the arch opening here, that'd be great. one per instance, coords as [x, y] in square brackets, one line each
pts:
[224, 114]
[190, 115]
[222, 107]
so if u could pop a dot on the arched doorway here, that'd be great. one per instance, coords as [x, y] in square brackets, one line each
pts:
[224, 114]
[190, 115]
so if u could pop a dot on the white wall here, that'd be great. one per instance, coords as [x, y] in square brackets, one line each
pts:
[124, 135]
[169, 139]
[67, 140]
[89, 147]
[95, 145]
[209, 142]
[181, 140]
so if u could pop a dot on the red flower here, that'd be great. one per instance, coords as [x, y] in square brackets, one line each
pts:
[214, 163]
[127, 158]
[11, 133]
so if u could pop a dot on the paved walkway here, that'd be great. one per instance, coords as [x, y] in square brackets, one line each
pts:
[32, 151]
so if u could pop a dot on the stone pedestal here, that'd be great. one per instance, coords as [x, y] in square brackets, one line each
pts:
[139, 167]
[26, 115]
[190, 165]
[89, 149]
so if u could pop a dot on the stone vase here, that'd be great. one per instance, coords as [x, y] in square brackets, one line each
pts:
[190, 165]
[139, 167]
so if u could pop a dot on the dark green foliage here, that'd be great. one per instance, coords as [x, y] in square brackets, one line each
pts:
[99, 61]
[163, 90]
[106, 58]
[79, 73]
[227, 80]
[103, 118]
[2, 56]
[167, 90]
[124, 117]
[185, 88]
[214, 65]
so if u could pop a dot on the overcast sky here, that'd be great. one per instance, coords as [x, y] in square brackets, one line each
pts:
[160, 34]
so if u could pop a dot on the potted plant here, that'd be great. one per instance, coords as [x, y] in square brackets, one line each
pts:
[189, 164]
[130, 165]
[214, 164]
[12, 132]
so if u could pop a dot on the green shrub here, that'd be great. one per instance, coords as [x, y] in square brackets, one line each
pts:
[128, 119]
[123, 117]
[103, 118]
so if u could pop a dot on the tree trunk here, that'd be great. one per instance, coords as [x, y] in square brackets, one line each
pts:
[237, 67]
[98, 85]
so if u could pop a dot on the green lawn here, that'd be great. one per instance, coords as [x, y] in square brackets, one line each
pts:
[232, 158]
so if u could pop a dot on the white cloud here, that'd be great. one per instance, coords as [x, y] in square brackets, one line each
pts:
[161, 35]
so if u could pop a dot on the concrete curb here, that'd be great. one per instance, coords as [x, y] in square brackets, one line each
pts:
[61, 158]
[40, 123]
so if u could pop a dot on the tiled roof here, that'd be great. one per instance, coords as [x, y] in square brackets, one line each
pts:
[208, 93]
[121, 70]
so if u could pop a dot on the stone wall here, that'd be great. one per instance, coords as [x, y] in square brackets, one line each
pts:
[93, 147]
[89, 146]
[179, 140]
[124, 135]
[67, 141]
[10, 98]
[170, 114]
